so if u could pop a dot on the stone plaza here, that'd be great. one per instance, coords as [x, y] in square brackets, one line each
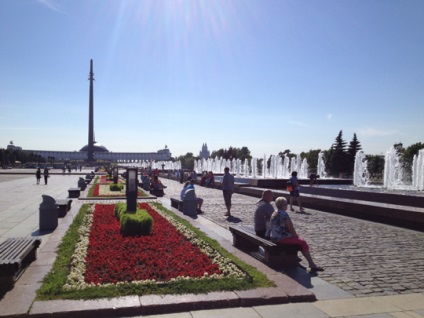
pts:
[371, 269]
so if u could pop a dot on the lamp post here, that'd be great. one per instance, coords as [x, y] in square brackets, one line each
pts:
[115, 174]
[131, 189]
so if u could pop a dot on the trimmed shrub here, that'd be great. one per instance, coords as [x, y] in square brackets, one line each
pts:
[116, 186]
[138, 223]
[120, 209]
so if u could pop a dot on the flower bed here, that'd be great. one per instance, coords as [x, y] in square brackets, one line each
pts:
[104, 257]
[104, 180]
[103, 190]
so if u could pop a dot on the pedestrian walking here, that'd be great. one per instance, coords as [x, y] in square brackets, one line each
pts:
[38, 175]
[294, 191]
[227, 189]
[46, 175]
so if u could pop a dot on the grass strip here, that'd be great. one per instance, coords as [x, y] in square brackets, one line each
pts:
[52, 286]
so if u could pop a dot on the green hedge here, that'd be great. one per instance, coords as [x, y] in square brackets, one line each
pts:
[133, 223]
[116, 186]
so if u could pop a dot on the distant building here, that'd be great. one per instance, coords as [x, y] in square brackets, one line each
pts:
[204, 153]
[101, 154]
[12, 147]
[95, 151]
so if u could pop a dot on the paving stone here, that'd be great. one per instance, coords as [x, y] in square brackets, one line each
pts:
[158, 304]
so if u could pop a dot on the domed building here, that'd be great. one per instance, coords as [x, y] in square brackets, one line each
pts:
[96, 148]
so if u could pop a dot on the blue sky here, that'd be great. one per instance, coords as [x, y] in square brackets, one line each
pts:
[267, 74]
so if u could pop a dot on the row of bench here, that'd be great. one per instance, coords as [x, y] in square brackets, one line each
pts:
[18, 253]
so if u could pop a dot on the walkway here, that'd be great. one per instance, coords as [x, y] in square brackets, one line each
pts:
[372, 270]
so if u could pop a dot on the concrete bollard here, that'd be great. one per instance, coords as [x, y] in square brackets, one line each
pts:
[81, 184]
[49, 213]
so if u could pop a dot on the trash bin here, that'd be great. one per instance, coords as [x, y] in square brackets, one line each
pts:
[49, 213]
[190, 203]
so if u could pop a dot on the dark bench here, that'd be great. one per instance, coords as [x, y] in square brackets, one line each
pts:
[274, 255]
[64, 206]
[15, 255]
[74, 192]
[177, 204]
[157, 193]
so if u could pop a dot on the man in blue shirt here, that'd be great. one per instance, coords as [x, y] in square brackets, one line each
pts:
[227, 189]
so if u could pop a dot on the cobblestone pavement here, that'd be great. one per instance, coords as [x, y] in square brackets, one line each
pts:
[361, 257]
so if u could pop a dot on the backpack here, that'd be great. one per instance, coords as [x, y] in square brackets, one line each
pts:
[289, 186]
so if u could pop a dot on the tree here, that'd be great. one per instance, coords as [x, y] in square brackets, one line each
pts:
[354, 147]
[232, 153]
[187, 161]
[312, 158]
[375, 165]
[409, 153]
[337, 160]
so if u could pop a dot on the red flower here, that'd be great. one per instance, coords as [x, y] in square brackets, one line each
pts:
[165, 254]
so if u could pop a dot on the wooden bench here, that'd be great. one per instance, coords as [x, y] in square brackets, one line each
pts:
[157, 193]
[15, 255]
[177, 204]
[274, 255]
[64, 206]
[74, 192]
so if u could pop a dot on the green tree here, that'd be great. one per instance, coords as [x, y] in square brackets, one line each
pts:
[375, 165]
[312, 158]
[187, 161]
[409, 153]
[232, 153]
[354, 147]
[337, 159]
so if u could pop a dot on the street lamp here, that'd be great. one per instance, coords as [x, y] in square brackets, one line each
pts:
[115, 174]
[131, 189]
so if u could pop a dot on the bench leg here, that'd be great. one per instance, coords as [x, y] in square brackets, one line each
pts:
[281, 259]
[6, 283]
[244, 244]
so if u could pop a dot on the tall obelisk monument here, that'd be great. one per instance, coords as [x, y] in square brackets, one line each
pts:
[90, 150]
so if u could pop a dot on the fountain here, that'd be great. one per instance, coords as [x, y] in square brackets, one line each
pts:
[393, 171]
[418, 171]
[361, 176]
[321, 165]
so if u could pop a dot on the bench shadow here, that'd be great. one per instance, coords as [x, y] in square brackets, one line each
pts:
[41, 233]
[300, 275]
[304, 213]
[233, 219]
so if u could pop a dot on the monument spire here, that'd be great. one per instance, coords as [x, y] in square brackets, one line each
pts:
[90, 150]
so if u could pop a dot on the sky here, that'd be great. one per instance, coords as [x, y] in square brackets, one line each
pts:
[269, 75]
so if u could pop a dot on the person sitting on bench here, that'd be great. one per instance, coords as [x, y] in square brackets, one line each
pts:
[263, 212]
[283, 232]
[183, 190]
[199, 201]
[156, 184]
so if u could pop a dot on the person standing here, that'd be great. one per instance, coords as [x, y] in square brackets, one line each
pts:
[294, 193]
[263, 212]
[38, 175]
[46, 175]
[227, 189]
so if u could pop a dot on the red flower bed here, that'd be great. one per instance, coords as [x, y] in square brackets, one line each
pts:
[104, 180]
[163, 255]
[118, 193]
